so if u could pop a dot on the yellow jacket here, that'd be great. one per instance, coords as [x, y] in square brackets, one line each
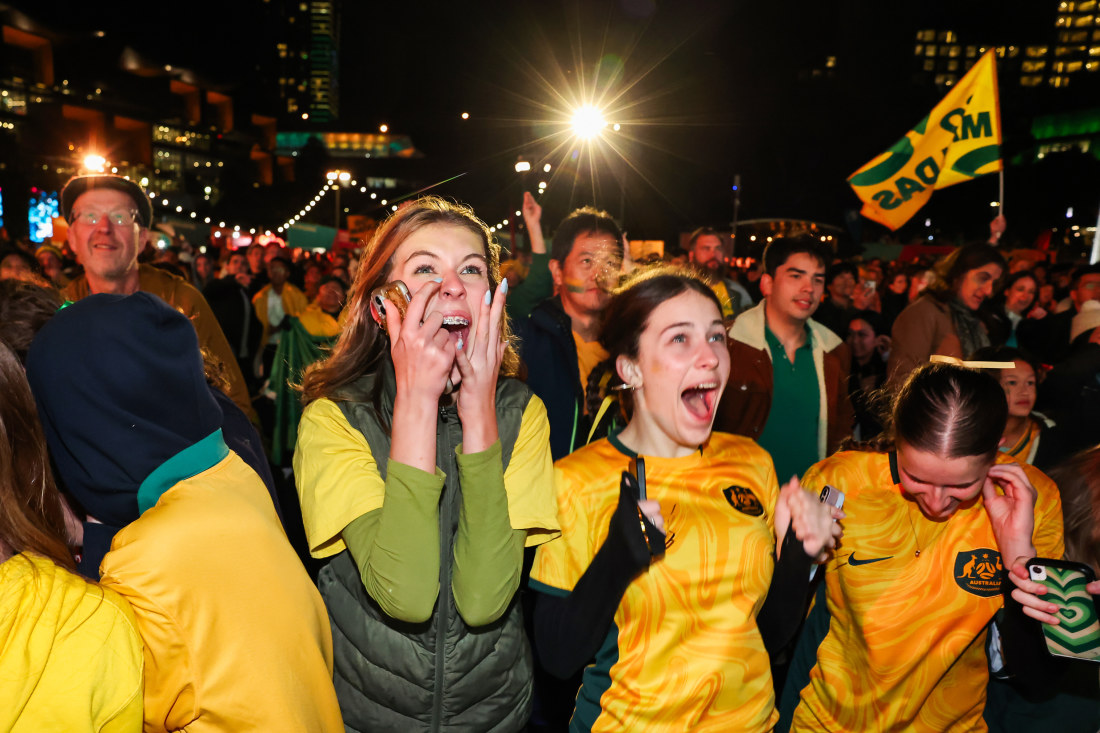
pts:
[236, 635]
[70, 655]
[294, 303]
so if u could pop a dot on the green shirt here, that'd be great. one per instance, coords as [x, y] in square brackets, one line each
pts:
[790, 434]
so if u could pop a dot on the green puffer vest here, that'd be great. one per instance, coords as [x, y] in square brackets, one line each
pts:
[441, 675]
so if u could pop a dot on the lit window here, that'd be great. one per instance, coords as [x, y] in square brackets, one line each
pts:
[920, 49]
[1073, 66]
[1082, 21]
[929, 65]
[954, 51]
[1094, 51]
[1087, 6]
[1059, 81]
[1036, 51]
[1030, 67]
[952, 65]
[930, 50]
[830, 62]
[1063, 21]
[1031, 81]
[926, 36]
[971, 52]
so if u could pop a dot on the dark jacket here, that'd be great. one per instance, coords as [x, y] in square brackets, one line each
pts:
[1047, 338]
[232, 307]
[1071, 395]
[747, 400]
[550, 355]
[441, 675]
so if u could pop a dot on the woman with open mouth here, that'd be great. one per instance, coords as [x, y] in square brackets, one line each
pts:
[669, 536]
[424, 469]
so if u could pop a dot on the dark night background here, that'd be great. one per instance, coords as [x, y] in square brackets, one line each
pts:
[706, 90]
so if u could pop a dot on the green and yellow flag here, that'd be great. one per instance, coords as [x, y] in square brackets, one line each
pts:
[958, 141]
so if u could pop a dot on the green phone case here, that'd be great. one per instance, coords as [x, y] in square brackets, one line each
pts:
[1078, 634]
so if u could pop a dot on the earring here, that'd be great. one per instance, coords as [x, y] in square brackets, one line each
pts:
[624, 387]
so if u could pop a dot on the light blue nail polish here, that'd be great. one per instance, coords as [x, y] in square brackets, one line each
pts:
[488, 297]
[437, 280]
[504, 287]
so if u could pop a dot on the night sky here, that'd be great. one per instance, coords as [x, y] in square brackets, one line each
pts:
[703, 90]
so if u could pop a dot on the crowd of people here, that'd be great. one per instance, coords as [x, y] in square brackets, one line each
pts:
[222, 507]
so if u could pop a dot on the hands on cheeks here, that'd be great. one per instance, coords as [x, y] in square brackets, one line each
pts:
[478, 360]
[813, 522]
[421, 349]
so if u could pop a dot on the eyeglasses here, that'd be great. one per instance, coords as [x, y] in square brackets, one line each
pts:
[117, 218]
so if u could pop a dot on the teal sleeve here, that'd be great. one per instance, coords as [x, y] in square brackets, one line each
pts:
[396, 548]
[536, 287]
[488, 555]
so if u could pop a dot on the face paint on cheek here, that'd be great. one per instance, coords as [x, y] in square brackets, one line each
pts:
[574, 286]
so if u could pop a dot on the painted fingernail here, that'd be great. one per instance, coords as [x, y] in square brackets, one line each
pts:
[489, 296]
[437, 280]
[504, 286]
[459, 343]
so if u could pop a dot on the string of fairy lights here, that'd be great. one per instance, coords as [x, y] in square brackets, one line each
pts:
[334, 180]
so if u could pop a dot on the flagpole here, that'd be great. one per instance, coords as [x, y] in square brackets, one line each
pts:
[1095, 257]
[1001, 193]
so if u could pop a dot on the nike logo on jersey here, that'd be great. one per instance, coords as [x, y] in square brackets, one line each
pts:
[853, 561]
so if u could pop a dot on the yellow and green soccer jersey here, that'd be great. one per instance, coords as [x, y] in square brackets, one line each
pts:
[906, 643]
[684, 651]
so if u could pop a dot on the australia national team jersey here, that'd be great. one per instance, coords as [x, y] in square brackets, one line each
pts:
[906, 643]
[683, 652]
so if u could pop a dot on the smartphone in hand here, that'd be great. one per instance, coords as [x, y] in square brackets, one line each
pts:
[397, 293]
[1077, 635]
[832, 496]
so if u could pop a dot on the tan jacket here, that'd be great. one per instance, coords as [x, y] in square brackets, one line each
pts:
[922, 329]
[747, 400]
[182, 296]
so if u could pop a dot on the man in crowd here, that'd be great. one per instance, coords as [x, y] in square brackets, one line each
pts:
[1049, 338]
[228, 298]
[558, 342]
[109, 218]
[706, 253]
[788, 385]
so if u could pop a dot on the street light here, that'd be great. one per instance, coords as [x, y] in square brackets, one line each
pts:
[95, 163]
[522, 166]
[337, 177]
[588, 121]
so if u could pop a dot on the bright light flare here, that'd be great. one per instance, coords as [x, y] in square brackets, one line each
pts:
[96, 163]
[588, 122]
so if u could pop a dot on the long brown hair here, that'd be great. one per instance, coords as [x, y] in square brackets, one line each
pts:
[31, 515]
[1078, 480]
[362, 344]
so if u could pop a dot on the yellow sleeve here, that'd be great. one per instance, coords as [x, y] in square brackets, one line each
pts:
[170, 697]
[560, 564]
[337, 477]
[529, 479]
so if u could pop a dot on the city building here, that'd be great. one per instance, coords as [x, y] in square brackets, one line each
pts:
[1063, 53]
[75, 102]
[306, 39]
